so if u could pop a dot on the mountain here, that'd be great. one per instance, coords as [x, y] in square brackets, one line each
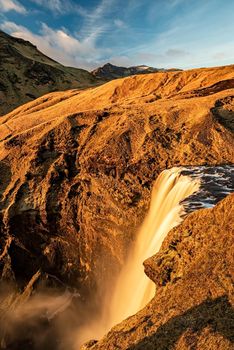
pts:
[109, 71]
[26, 73]
[76, 173]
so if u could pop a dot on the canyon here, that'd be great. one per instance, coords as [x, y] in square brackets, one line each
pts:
[76, 174]
[194, 267]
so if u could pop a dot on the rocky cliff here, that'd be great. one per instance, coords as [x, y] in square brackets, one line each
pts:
[77, 167]
[193, 307]
[26, 73]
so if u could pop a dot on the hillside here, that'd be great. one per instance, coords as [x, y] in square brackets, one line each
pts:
[77, 168]
[26, 73]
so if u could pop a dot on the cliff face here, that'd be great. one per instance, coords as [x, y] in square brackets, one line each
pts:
[193, 273]
[77, 167]
[26, 73]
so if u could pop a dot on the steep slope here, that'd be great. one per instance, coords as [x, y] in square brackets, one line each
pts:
[110, 71]
[26, 73]
[77, 167]
[194, 301]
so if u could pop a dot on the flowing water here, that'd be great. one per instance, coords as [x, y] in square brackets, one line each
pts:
[134, 289]
[176, 192]
[216, 182]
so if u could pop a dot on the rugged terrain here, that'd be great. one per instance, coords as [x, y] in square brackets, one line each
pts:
[110, 71]
[194, 267]
[77, 167]
[26, 73]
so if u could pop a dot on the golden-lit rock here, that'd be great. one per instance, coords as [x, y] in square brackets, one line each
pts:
[194, 300]
[76, 171]
[77, 166]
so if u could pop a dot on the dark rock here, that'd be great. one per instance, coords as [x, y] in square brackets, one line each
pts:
[26, 73]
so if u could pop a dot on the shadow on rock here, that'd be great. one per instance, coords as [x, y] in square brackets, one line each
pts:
[217, 314]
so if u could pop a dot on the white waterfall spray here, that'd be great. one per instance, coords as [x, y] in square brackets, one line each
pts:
[134, 289]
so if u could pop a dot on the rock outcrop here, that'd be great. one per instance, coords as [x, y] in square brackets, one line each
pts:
[77, 167]
[193, 307]
[26, 73]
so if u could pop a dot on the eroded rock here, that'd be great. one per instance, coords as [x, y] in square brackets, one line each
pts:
[193, 304]
[77, 169]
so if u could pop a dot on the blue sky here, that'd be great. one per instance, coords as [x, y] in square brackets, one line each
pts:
[159, 33]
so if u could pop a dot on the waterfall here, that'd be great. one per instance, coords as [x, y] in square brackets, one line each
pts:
[133, 288]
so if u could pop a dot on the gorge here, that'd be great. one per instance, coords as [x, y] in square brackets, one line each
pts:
[173, 195]
[76, 177]
[133, 289]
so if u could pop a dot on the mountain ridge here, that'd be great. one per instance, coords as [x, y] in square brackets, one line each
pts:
[26, 73]
[109, 71]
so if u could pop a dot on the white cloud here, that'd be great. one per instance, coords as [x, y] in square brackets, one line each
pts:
[122, 61]
[61, 7]
[220, 56]
[12, 5]
[174, 3]
[55, 5]
[96, 22]
[80, 49]
[59, 44]
[120, 24]
[176, 53]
